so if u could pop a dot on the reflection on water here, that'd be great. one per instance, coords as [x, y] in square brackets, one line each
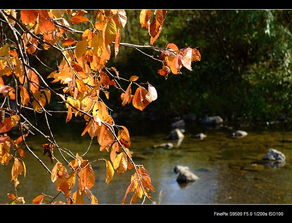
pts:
[228, 169]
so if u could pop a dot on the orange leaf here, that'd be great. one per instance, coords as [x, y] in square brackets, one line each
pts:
[134, 78]
[174, 63]
[86, 176]
[127, 96]
[69, 114]
[6, 125]
[105, 138]
[68, 41]
[155, 27]
[28, 16]
[34, 81]
[145, 16]
[11, 196]
[78, 19]
[38, 199]
[196, 55]
[124, 136]
[120, 163]
[115, 148]
[139, 100]
[164, 71]
[24, 96]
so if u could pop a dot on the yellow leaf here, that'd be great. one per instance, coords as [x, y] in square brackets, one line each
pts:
[4, 50]
[78, 197]
[109, 171]
[80, 48]
[17, 169]
[24, 96]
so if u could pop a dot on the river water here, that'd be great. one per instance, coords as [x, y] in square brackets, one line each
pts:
[227, 168]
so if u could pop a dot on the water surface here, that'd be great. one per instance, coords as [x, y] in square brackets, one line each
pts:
[226, 167]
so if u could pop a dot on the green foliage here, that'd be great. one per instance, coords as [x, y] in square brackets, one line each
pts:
[245, 71]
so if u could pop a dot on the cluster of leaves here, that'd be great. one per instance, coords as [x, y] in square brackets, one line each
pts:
[86, 83]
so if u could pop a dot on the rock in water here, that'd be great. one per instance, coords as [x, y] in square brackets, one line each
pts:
[168, 145]
[179, 168]
[239, 134]
[274, 155]
[176, 134]
[184, 174]
[212, 120]
[200, 136]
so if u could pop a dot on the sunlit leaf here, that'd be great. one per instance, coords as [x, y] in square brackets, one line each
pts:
[145, 16]
[68, 41]
[38, 199]
[127, 96]
[152, 93]
[24, 96]
[78, 19]
[109, 171]
[139, 100]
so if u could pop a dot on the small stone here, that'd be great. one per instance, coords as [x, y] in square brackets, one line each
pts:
[200, 136]
[239, 134]
[168, 145]
[175, 134]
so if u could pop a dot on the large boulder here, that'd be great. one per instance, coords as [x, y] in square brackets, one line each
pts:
[239, 134]
[176, 134]
[184, 174]
[212, 120]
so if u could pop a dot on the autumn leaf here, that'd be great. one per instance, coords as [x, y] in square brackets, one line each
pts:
[6, 125]
[145, 16]
[196, 55]
[80, 48]
[34, 81]
[186, 60]
[4, 50]
[109, 171]
[120, 163]
[78, 197]
[24, 96]
[127, 96]
[86, 176]
[134, 78]
[78, 19]
[139, 100]
[105, 138]
[164, 71]
[124, 136]
[68, 41]
[28, 16]
[38, 199]
[152, 93]
[18, 168]
[155, 27]
[63, 181]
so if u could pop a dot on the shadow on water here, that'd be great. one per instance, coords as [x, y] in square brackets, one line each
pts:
[227, 168]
